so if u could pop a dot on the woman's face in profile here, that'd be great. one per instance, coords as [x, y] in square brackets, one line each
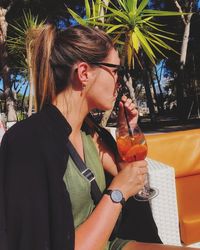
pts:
[103, 90]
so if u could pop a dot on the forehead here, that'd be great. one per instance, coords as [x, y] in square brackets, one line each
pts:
[113, 57]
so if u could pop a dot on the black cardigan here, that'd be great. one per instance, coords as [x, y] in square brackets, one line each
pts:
[35, 208]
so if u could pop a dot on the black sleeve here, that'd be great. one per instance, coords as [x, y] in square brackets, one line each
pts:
[3, 240]
[24, 195]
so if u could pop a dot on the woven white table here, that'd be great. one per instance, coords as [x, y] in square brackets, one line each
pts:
[164, 206]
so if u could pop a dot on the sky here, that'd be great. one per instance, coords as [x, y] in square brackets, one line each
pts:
[22, 86]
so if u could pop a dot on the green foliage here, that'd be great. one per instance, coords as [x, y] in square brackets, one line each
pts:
[132, 25]
[20, 42]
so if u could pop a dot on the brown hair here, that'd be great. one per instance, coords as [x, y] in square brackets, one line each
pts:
[55, 52]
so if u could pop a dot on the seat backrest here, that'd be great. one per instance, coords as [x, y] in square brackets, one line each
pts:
[180, 149]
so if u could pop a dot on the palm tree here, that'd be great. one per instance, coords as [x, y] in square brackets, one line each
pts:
[21, 46]
[11, 10]
[133, 27]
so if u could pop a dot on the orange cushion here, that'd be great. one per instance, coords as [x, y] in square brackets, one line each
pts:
[179, 149]
[188, 193]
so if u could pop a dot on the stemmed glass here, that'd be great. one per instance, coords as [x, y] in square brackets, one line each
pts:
[132, 147]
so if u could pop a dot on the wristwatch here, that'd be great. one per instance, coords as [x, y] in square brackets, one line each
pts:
[116, 196]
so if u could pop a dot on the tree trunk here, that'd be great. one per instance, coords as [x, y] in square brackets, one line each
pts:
[146, 83]
[10, 102]
[155, 97]
[185, 40]
[181, 75]
[149, 96]
[159, 86]
[106, 117]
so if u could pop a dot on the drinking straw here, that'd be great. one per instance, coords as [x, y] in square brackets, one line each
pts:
[123, 89]
[127, 122]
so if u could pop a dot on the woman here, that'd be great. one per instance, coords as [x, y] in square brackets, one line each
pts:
[46, 201]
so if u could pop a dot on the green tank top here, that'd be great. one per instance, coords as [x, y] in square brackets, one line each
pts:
[79, 187]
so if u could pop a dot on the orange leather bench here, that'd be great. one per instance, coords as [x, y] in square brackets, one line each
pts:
[181, 150]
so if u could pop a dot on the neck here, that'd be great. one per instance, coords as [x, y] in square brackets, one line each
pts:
[73, 108]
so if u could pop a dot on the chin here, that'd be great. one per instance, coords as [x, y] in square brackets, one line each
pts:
[105, 107]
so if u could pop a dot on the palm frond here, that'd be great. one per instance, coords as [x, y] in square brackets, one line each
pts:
[129, 17]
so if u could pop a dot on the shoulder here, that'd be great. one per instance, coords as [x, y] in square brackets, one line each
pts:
[26, 129]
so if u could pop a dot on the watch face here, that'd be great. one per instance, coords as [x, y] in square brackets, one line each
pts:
[116, 196]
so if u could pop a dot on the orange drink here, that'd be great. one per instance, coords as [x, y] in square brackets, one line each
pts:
[132, 148]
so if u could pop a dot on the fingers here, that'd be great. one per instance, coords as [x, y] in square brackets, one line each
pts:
[139, 164]
[127, 101]
[130, 107]
[131, 178]
[140, 181]
[142, 171]
[141, 168]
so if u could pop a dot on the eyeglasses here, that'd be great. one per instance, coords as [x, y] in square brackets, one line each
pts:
[121, 70]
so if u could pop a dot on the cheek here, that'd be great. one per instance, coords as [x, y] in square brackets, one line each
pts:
[105, 89]
[101, 96]
[104, 84]
[105, 95]
[102, 91]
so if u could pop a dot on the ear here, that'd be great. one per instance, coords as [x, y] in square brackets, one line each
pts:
[83, 73]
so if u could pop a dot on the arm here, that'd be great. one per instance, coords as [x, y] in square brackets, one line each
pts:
[95, 231]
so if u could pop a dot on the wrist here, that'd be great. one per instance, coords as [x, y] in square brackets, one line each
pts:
[115, 195]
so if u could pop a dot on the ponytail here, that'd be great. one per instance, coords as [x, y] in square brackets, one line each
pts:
[44, 84]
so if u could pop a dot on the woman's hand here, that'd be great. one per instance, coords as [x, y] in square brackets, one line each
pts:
[131, 179]
[131, 110]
